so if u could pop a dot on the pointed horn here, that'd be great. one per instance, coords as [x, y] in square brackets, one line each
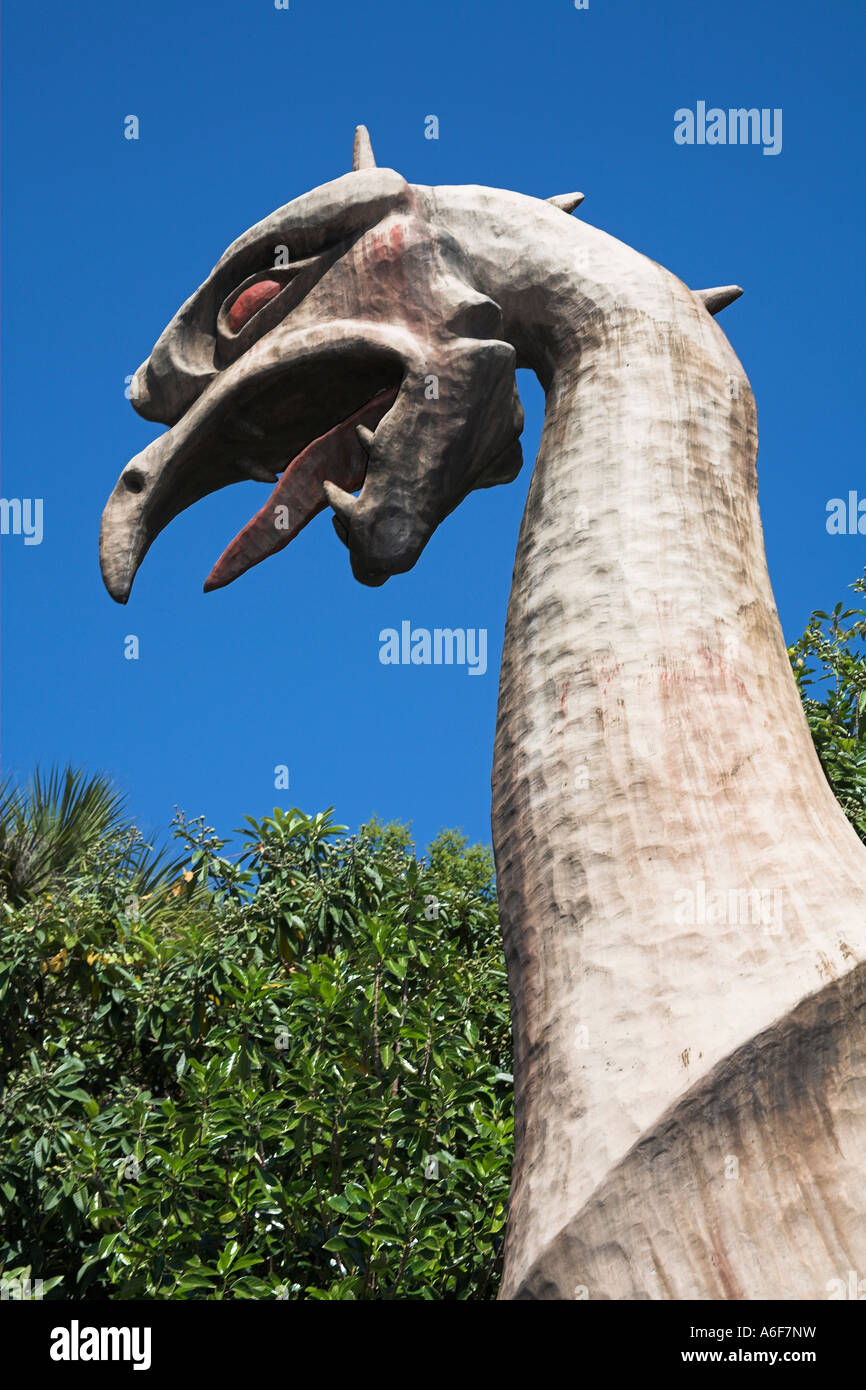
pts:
[718, 299]
[362, 152]
[366, 437]
[567, 201]
[343, 503]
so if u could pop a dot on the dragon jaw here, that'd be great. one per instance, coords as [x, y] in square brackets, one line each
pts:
[269, 370]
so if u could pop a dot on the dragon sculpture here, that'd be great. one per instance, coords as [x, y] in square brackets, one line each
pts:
[683, 902]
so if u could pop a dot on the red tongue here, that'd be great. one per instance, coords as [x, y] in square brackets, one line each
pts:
[299, 496]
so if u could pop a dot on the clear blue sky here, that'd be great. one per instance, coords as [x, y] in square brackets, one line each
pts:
[243, 107]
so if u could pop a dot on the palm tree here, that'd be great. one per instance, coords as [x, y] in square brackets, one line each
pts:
[49, 831]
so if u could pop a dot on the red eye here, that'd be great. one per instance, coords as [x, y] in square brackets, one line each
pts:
[251, 301]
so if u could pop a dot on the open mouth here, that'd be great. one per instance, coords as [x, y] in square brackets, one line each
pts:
[269, 417]
[339, 456]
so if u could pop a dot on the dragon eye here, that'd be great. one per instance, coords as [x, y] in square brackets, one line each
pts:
[250, 301]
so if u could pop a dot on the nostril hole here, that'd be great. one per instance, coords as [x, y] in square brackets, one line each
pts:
[133, 481]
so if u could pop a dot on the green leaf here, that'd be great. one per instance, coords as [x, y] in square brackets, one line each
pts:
[228, 1256]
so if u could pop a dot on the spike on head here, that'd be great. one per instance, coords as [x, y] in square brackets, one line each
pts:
[567, 201]
[718, 299]
[362, 152]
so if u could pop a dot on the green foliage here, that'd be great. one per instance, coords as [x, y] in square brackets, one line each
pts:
[284, 1074]
[278, 1074]
[836, 710]
[60, 826]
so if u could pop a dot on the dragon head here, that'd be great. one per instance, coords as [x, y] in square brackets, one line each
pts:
[337, 347]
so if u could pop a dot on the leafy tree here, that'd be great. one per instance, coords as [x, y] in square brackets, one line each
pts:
[836, 644]
[291, 1080]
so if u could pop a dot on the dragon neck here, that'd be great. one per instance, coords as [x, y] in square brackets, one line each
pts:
[660, 818]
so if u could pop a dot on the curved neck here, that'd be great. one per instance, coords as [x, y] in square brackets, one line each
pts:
[673, 870]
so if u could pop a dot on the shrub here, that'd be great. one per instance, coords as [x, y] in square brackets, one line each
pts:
[285, 1075]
